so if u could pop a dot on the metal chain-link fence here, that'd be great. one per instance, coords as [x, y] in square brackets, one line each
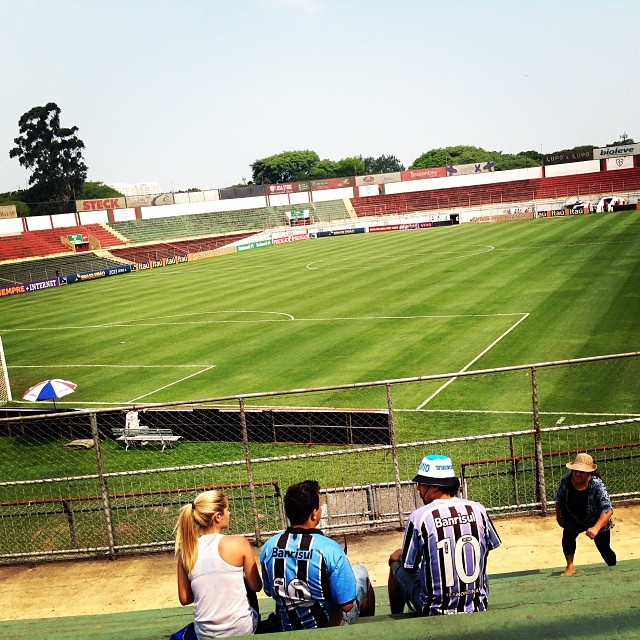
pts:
[108, 482]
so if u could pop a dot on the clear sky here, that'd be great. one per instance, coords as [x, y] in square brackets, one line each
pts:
[189, 93]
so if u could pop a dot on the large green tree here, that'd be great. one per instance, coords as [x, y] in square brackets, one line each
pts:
[288, 166]
[469, 155]
[382, 164]
[292, 166]
[52, 153]
[94, 190]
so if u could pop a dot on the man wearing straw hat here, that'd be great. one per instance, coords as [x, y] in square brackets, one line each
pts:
[583, 505]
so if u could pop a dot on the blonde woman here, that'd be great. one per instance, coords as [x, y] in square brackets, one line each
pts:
[217, 573]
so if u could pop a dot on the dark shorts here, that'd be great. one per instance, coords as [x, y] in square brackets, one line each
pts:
[409, 583]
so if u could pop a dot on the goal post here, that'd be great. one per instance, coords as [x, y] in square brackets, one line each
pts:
[5, 387]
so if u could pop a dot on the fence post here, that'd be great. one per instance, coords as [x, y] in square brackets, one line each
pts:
[394, 455]
[541, 488]
[106, 500]
[247, 459]
[514, 470]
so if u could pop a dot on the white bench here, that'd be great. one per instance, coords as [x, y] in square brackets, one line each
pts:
[144, 435]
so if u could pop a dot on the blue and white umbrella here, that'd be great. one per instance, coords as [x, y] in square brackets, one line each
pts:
[49, 390]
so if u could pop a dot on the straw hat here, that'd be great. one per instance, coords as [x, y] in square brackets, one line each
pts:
[583, 462]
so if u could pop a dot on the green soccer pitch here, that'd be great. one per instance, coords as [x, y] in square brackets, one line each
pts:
[341, 310]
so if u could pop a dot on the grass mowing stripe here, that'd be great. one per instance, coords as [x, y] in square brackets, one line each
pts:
[575, 277]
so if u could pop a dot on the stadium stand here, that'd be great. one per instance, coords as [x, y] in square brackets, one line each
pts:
[178, 235]
[44, 268]
[157, 251]
[588, 183]
[456, 197]
[526, 605]
[198, 225]
[502, 192]
[323, 211]
[47, 242]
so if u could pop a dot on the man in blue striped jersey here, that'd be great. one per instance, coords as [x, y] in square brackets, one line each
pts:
[307, 574]
[442, 565]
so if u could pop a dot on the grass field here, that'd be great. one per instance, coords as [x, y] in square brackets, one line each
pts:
[328, 312]
[342, 310]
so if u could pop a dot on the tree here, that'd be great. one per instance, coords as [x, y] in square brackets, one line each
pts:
[347, 167]
[97, 190]
[471, 155]
[383, 164]
[288, 166]
[52, 153]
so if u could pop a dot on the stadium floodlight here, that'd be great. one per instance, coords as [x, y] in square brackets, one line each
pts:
[5, 387]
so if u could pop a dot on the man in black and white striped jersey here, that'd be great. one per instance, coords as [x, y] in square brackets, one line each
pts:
[441, 567]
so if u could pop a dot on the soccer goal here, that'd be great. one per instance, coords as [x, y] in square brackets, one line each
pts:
[5, 387]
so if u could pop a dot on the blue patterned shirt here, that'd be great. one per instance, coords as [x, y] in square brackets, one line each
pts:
[598, 500]
[308, 575]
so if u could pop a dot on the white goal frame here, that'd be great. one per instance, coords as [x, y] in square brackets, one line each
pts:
[5, 387]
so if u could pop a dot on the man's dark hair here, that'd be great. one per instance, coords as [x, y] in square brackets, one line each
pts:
[300, 500]
[451, 491]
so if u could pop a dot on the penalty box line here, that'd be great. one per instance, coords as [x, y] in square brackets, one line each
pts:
[171, 384]
[472, 362]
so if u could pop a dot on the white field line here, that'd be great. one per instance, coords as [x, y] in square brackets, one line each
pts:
[508, 412]
[439, 255]
[286, 317]
[482, 353]
[109, 366]
[166, 386]
[142, 323]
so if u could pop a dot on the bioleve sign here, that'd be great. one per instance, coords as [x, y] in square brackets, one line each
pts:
[619, 150]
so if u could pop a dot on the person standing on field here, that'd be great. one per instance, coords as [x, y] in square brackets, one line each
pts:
[441, 567]
[583, 506]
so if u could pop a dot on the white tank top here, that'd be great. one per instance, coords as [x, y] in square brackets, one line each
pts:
[221, 608]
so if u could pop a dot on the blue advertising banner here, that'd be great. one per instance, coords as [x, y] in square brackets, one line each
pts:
[70, 278]
[27, 287]
[339, 232]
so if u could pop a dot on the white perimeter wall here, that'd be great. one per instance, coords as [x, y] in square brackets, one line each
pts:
[572, 168]
[280, 199]
[166, 211]
[471, 179]
[93, 217]
[11, 226]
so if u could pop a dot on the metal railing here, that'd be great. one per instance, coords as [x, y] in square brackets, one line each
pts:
[69, 487]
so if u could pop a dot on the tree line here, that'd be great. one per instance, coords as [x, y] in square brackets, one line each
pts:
[53, 155]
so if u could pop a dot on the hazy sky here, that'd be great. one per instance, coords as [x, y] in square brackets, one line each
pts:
[189, 93]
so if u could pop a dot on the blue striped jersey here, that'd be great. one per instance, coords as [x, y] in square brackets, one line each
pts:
[448, 540]
[308, 575]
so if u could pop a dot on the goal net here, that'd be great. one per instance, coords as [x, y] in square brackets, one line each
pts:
[5, 388]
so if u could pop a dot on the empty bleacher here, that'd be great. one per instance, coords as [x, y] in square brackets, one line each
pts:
[453, 198]
[158, 251]
[517, 191]
[179, 235]
[42, 269]
[198, 225]
[600, 183]
[330, 211]
[46, 242]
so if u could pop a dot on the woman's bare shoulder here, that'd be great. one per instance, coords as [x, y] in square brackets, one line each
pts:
[235, 542]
